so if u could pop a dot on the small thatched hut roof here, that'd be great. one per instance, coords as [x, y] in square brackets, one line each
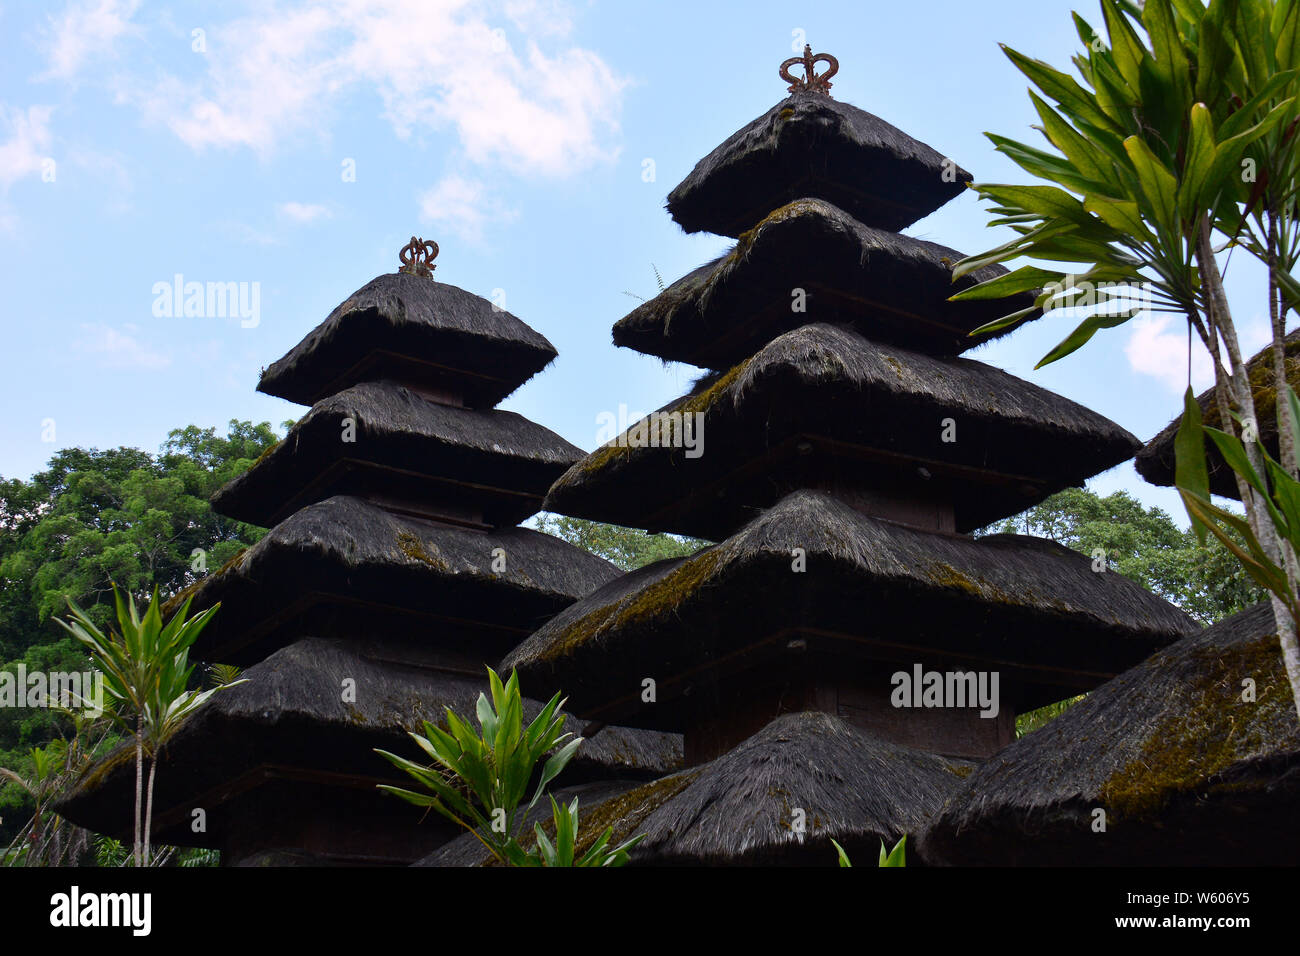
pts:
[740, 809]
[1187, 772]
[812, 145]
[291, 716]
[1155, 462]
[872, 589]
[344, 566]
[416, 331]
[404, 447]
[892, 288]
[824, 402]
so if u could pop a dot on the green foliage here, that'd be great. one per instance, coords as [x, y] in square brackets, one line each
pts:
[841, 855]
[895, 857]
[563, 850]
[92, 517]
[1148, 150]
[628, 548]
[479, 780]
[1278, 490]
[1032, 720]
[147, 673]
[119, 515]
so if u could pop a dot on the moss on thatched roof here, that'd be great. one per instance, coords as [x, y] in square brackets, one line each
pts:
[292, 713]
[311, 573]
[416, 331]
[1186, 770]
[1155, 462]
[1031, 607]
[740, 808]
[812, 145]
[404, 446]
[1015, 443]
[892, 288]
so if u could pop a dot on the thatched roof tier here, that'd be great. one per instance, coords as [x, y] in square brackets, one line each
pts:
[1155, 462]
[345, 566]
[743, 808]
[295, 717]
[810, 261]
[1187, 766]
[871, 589]
[416, 331]
[812, 145]
[822, 403]
[403, 447]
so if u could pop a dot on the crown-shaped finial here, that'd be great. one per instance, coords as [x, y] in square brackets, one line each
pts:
[810, 82]
[417, 257]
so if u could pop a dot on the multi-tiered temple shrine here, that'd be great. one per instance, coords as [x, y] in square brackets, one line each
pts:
[393, 572]
[840, 450]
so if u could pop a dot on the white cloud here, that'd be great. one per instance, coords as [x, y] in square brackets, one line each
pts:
[86, 30]
[1158, 347]
[303, 212]
[26, 139]
[461, 206]
[118, 349]
[436, 64]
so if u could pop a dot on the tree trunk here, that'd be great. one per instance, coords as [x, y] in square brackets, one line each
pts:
[139, 785]
[148, 814]
[1242, 396]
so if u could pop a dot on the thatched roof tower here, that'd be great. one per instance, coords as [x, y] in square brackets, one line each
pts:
[393, 573]
[1193, 757]
[836, 450]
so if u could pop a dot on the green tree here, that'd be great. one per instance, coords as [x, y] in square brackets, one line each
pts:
[1183, 129]
[146, 670]
[92, 517]
[628, 548]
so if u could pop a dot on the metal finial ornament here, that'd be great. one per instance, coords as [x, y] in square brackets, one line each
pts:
[417, 257]
[811, 82]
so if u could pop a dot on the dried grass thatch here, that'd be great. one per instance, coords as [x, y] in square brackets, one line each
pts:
[812, 145]
[416, 331]
[405, 447]
[892, 288]
[1187, 772]
[344, 565]
[740, 809]
[872, 589]
[292, 715]
[1155, 462]
[875, 415]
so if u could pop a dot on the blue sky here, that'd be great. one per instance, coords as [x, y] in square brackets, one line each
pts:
[139, 141]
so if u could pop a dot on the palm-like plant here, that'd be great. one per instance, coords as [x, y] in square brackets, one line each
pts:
[146, 671]
[479, 779]
[1183, 127]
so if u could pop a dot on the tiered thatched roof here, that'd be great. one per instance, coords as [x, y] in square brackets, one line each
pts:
[416, 331]
[1028, 607]
[407, 447]
[812, 145]
[891, 287]
[1155, 462]
[740, 809]
[344, 565]
[823, 402]
[291, 717]
[1187, 771]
